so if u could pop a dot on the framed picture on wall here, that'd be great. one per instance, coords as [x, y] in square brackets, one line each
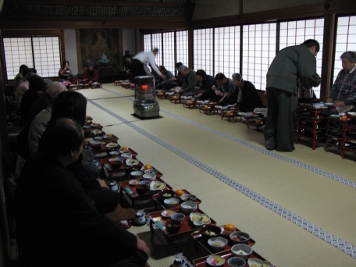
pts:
[100, 47]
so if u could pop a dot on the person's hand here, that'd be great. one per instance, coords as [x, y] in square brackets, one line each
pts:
[102, 183]
[234, 105]
[213, 88]
[218, 93]
[141, 245]
[174, 79]
[329, 100]
[180, 91]
[339, 104]
[197, 87]
[90, 82]
[198, 95]
[164, 76]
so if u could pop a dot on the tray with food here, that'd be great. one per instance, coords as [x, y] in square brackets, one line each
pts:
[137, 187]
[230, 258]
[175, 221]
[182, 195]
[227, 238]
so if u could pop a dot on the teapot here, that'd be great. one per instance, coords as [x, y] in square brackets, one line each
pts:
[140, 218]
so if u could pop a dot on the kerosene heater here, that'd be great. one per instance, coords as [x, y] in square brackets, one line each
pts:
[145, 104]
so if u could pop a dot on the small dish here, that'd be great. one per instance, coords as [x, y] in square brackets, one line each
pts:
[134, 182]
[215, 260]
[167, 213]
[239, 237]
[136, 173]
[171, 202]
[198, 223]
[114, 153]
[126, 155]
[112, 145]
[132, 162]
[141, 188]
[144, 182]
[241, 250]
[178, 216]
[237, 262]
[329, 104]
[351, 113]
[258, 262]
[205, 219]
[156, 186]
[188, 197]
[149, 177]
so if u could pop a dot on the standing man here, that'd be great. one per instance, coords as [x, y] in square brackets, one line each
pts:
[294, 66]
[141, 60]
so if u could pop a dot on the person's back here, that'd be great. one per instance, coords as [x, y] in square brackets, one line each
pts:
[57, 225]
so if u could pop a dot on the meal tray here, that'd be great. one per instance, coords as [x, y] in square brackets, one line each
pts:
[199, 238]
[187, 224]
[126, 184]
[157, 198]
[201, 262]
[107, 164]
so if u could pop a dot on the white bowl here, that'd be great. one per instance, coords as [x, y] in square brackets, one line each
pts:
[171, 202]
[157, 186]
[149, 177]
[259, 262]
[329, 104]
[178, 216]
[188, 207]
[215, 260]
[217, 243]
[237, 261]
[205, 219]
[241, 250]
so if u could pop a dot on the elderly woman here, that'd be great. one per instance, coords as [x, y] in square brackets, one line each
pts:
[343, 91]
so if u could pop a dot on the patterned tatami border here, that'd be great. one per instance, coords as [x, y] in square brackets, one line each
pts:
[287, 214]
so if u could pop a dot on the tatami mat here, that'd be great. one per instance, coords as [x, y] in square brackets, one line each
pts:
[226, 166]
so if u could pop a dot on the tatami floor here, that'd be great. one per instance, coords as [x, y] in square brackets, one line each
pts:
[299, 207]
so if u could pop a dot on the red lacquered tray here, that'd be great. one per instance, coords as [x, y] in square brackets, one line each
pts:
[187, 224]
[157, 198]
[201, 262]
[126, 184]
[198, 237]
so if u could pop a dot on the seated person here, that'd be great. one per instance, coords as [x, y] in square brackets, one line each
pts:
[90, 74]
[343, 91]
[180, 78]
[246, 94]
[65, 73]
[57, 225]
[167, 79]
[71, 104]
[190, 81]
[224, 90]
[206, 83]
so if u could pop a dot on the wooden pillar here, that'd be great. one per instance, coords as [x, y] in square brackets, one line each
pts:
[328, 55]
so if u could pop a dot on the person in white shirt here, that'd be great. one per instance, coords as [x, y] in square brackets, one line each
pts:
[141, 60]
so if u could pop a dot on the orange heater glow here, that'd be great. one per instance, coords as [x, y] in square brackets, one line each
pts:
[144, 87]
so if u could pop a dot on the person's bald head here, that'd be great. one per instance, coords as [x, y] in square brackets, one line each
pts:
[55, 89]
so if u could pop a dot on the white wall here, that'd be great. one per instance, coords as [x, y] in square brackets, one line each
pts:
[70, 47]
[129, 41]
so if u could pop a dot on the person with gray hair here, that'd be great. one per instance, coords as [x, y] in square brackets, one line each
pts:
[247, 98]
[190, 81]
[343, 91]
[53, 89]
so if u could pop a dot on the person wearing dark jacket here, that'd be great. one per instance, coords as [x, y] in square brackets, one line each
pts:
[293, 67]
[206, 83]
[245, 94]
[57, 225]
